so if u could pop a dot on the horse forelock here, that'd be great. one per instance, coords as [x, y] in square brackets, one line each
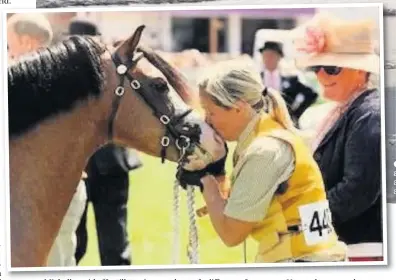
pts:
[51, 81]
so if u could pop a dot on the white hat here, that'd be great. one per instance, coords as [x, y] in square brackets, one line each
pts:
[330, 41]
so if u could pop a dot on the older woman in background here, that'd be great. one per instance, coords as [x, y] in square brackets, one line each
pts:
[347, 147]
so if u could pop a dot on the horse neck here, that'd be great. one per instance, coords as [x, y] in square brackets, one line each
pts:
[45, 168]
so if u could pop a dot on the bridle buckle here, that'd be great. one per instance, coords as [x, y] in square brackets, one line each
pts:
[165, 141]
[135, 84]
[164, 119]
[119, 91]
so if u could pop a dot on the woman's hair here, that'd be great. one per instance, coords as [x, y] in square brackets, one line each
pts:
[233, 80]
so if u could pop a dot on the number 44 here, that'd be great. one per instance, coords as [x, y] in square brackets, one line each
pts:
[318, 225]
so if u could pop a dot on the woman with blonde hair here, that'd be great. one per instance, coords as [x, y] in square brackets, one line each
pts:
[276, 194]
[347, 147]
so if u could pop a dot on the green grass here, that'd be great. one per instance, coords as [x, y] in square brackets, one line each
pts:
[150, 222]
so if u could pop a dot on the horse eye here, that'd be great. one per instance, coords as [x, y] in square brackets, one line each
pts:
[160, 84]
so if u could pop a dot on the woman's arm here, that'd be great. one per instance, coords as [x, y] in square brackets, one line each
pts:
[230, 230]
[361, 184]
[269, 163]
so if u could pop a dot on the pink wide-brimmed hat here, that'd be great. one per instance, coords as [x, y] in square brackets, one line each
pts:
[329, 41]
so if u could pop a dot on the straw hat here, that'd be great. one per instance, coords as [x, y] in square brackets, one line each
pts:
[329, 41]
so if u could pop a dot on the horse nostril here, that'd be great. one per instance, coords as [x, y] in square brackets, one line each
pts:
[160, 85]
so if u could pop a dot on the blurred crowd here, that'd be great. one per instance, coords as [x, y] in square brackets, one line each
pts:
[351, 181]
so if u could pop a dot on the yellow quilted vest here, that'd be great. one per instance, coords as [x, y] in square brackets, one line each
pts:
[298, 222]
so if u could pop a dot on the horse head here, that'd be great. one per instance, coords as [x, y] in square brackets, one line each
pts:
[146, 114]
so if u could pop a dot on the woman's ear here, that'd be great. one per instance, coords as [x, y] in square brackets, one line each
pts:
[238, 106]
[241, 105]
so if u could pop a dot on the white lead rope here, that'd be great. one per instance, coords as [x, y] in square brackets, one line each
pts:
[176, 223]
[192, 249]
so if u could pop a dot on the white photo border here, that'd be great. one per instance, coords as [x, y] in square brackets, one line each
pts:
[159, 8]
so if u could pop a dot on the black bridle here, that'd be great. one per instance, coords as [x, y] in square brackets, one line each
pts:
[186, 135]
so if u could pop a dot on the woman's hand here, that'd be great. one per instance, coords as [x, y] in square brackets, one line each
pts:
[216, 169]
[223, 184]
[223, 188]
[231, 231]
[192, 178]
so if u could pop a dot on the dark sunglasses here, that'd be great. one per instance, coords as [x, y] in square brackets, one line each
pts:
[330, 70]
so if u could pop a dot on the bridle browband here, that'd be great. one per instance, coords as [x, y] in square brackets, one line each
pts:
[186, 135]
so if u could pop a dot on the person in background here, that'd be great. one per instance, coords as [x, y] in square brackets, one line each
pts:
[276, 189]
[298, 96]
[27, 33]
[107, 187]
[347, 146]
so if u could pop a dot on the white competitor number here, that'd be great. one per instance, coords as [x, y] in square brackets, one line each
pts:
[316, 222]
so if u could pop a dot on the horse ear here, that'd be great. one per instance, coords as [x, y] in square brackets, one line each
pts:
[132, 42]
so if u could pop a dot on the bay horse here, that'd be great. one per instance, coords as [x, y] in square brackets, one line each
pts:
[68, 100]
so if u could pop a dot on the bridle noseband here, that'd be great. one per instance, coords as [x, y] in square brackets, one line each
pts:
[186, 135]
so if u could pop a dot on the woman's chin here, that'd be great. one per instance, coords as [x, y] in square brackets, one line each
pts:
[331, 95]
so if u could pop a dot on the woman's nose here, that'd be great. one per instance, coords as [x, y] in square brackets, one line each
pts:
[321, 71]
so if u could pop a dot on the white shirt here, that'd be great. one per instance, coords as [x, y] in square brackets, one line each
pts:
[272, 79]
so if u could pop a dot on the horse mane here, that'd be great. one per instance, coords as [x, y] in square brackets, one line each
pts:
[52, 81]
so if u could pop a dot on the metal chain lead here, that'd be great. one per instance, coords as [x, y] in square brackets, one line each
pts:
[192, 250]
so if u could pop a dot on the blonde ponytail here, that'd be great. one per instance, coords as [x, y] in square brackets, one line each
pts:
[278, 110]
